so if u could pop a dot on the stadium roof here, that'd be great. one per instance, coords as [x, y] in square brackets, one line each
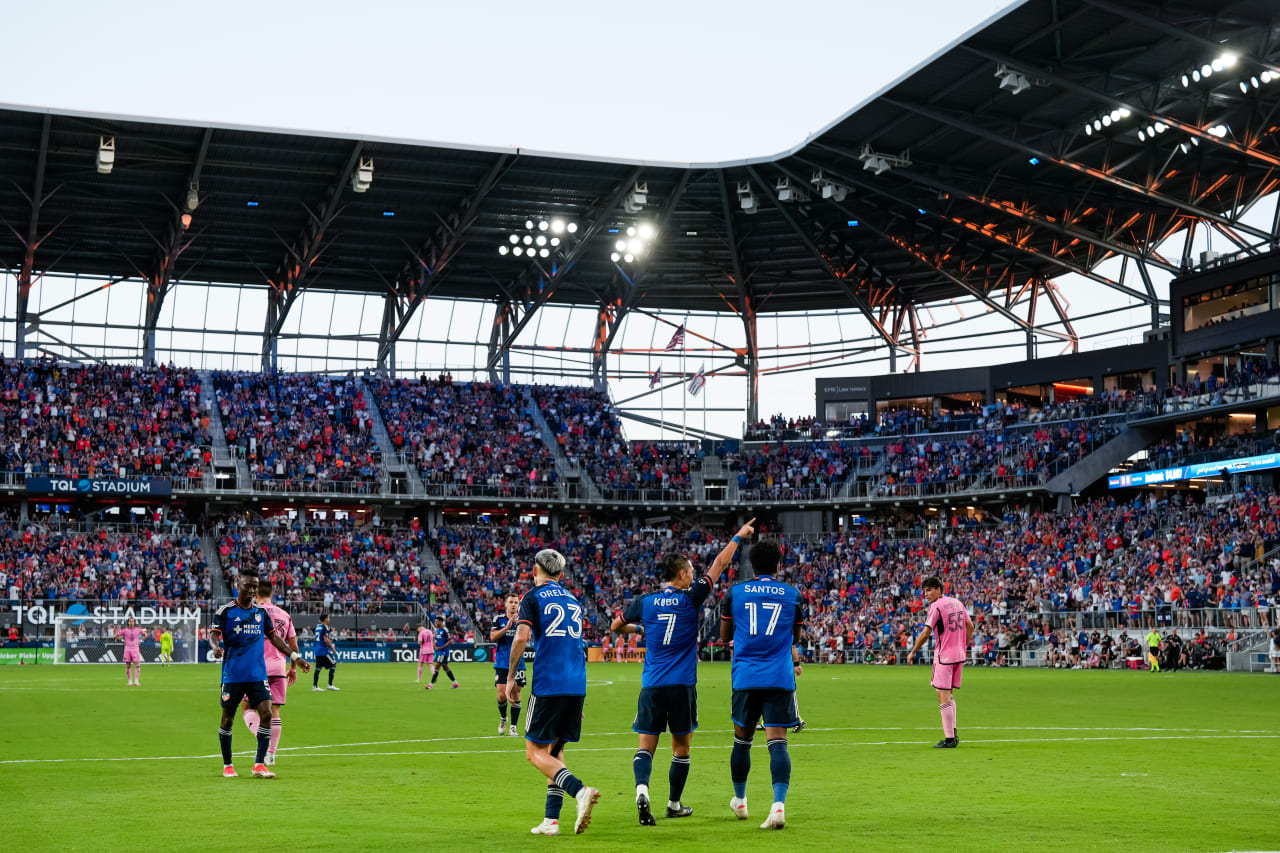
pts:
[971, 176]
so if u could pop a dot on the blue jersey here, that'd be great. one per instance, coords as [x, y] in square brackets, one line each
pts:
[241, 630]
[765, 613]
[670, 620]
[442, 639]
[502, 655]
[322, 632]
[555, 618]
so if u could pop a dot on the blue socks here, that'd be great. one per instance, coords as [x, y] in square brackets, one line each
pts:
[642, 766]
[568, 782]
[740, 766]
[555, 799]
[678, 776]
[779, 769]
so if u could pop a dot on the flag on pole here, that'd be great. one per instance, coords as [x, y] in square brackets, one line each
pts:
[697, 382]
[677, 340]
[656, 378]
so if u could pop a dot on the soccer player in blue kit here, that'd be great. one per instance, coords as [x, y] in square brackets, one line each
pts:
[441, 659]
[504, 634]
[763, 618]
[236, 637]
[551, 616]
[326, 653]
[668, 688]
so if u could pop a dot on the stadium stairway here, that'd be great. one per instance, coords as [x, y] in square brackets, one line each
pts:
[218, 586]
[222, 456]
[566, 471]
[432, 567]
[1096, 465]
[395, 463]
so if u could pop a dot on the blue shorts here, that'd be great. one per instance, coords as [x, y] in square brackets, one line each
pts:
[661, 708]
[441, 657]
[549, 719]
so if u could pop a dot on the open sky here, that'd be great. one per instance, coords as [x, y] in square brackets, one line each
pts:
[661, 80]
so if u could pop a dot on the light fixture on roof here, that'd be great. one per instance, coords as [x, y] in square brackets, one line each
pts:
[362, 175]
[633, 242]
[502, 250]
[193, 198]
[827, 187]
[746, 198]
[186, 221]
[106, 154]
[1220, 131]
[557, 226]
[534, 241]
[1013, 82]
[636, 199]
[873, 161]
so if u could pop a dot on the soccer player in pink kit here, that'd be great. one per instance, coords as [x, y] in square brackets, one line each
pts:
[132, 636]
[954, 629]
[426, 648]
[281, 672]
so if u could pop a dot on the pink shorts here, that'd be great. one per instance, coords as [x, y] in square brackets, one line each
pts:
[946, 676]
[132, 657]
[424, 657]
[279, 685]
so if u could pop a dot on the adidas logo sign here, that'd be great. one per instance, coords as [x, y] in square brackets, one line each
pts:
[109, 657]
[78, 657]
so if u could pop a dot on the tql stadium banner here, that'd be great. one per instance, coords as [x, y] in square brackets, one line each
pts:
[91, 487]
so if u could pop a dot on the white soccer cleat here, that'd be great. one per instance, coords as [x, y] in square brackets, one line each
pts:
[331, 687]
[317, 689]
[502, 727]
[739, 807]
[777, 818]
[587, 799]
[512, 731]
[547, 827]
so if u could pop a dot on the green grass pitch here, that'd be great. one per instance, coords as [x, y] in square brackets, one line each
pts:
[1049, 761]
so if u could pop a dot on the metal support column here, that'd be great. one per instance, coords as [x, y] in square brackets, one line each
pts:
[29, 250]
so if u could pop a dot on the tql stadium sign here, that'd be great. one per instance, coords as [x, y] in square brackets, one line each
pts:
[142, 486]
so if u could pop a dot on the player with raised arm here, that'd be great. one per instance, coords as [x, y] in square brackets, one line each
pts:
[281, 672]
[504, 634]
[668, 687]
[440, 660]
[326, 653]
[762, 617]
[953, 630]
[236, 638]
[166, 646]
[551, 616]
[426, 647]
[132, 636]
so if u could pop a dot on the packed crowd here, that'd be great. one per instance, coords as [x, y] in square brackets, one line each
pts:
[102, 420]
[300, 432]
[589, 433]
[53, 563]
[343, 568]
[796, 470]
[467, 438]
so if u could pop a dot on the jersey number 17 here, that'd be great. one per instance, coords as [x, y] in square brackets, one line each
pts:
[769, 607]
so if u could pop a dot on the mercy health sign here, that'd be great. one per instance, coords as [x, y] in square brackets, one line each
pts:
[142, 486]
[373, 652]
[1191, 472]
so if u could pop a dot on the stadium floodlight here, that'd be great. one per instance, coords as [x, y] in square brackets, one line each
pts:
[1228, 59]
[1244, 88]
[878, 163]
[572, 228]
[502, 250]
[1185, 81]
[528, 240]
[1206, 71]
[1266, 77]
[1195, 75]
[615, 257]
[1013, 82]
[528, 224]
[514, 238]
[106, 154]
[186, 221]
[555, 241]
[362, 175]
[543, 225]
[628, 257]
[746, 198]
[1220, 131]
[541, 241]
[1253, 81]
[544, 252]
[1106, 121]
[193, 198]
[620, 245]
[631, 231]
[634, 247]
[1088, 130]
[646, 231]
[557, 226]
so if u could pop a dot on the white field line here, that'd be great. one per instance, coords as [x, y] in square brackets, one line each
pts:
[576, 749]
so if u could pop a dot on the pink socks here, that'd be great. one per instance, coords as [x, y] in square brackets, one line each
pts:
[948, 718]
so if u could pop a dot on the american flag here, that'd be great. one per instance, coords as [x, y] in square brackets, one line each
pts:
[656, 378]
[677, 340]
[697, 382]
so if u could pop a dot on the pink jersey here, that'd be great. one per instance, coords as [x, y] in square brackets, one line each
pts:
[426, 641]
[277, 663]
[132, 637]
[948, 620]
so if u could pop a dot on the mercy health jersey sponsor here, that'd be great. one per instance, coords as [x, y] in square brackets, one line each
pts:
[1191, 472]
[146, 486]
